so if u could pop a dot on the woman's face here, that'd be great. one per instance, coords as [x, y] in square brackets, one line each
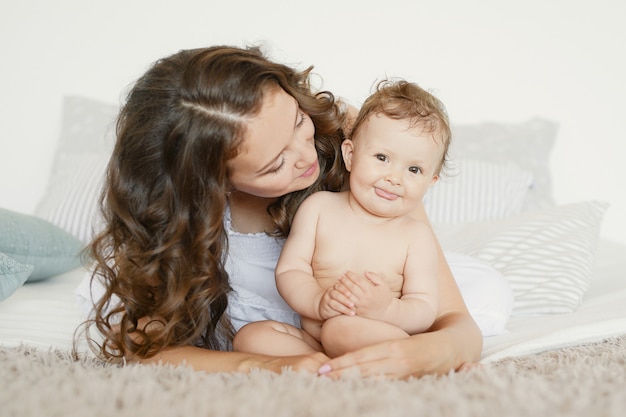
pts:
[278, 153]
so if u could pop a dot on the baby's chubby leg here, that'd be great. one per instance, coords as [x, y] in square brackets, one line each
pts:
[275, 339]
[343, 334]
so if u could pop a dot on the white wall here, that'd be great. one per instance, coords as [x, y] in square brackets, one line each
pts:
[487, 60]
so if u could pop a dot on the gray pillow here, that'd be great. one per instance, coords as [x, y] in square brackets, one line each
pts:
[33, 241]
[12, 275]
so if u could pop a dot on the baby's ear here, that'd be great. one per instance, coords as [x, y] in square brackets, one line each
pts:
[434, 180]
[347, 149]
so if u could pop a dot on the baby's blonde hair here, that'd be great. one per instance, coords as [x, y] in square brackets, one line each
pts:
[402, 100]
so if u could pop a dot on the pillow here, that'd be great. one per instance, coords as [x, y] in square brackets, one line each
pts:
[546, 254]
[33, 241]
[73, 192]
[87, 137]
[12, 275]
[475, 190]
[528, 145]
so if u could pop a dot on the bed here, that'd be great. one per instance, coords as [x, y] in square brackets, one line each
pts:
[569, 284]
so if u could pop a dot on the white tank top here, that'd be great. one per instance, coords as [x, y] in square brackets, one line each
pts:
[250, 265]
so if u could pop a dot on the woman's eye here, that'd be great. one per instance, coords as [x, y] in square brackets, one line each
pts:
[276, 170]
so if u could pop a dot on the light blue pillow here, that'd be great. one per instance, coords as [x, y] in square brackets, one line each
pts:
[12, 275]
[30, 240]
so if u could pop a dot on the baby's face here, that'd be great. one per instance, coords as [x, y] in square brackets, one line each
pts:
[392, 164]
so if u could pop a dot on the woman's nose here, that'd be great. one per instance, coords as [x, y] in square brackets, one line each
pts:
[304, 148]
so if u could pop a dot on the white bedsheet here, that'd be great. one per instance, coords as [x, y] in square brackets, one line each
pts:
[44, 314]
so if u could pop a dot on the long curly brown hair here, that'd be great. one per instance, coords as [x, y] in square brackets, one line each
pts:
[161, 253]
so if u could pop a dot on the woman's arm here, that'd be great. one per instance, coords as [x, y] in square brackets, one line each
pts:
[203, 359]
[207, 360]
[452, 341]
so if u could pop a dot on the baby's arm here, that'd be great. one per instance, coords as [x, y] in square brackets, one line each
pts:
[294, 274]
[416, 309]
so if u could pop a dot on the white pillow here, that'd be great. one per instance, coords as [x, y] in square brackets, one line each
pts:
[527, 144]
[546, 254]
[85, 144]
[473, 191]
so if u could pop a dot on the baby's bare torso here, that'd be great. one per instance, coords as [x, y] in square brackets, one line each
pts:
[379, 246]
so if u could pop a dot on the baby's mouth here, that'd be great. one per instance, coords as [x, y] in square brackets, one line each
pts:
[385, 194]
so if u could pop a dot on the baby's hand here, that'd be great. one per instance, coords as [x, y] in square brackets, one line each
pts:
[334, 302]
[369, 293]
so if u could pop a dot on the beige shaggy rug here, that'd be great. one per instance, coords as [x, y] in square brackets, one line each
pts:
[585, 381]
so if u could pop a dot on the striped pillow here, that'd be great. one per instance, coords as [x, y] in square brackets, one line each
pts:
[547, 254]
[86, 140]
[474, 190]
[71, 200]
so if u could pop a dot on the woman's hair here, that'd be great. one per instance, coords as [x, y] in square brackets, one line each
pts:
[402, 100]
[163, 247]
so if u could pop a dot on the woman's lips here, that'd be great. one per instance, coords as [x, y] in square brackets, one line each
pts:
[310, 171]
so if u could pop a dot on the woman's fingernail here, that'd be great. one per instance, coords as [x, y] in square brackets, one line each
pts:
[324, 369]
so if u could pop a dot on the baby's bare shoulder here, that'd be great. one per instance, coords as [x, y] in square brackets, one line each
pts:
[414, 228]
[324, 197]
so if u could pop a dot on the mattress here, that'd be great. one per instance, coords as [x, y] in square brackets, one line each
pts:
[44, 314]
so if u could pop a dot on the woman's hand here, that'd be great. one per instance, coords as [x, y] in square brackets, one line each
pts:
[395, 359]
[207, 360]
[307, 363]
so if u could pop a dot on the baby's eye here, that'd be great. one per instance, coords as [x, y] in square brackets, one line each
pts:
[415, 170]
[382, 157]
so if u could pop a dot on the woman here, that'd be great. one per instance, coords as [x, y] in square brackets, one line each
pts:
[215, 150]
